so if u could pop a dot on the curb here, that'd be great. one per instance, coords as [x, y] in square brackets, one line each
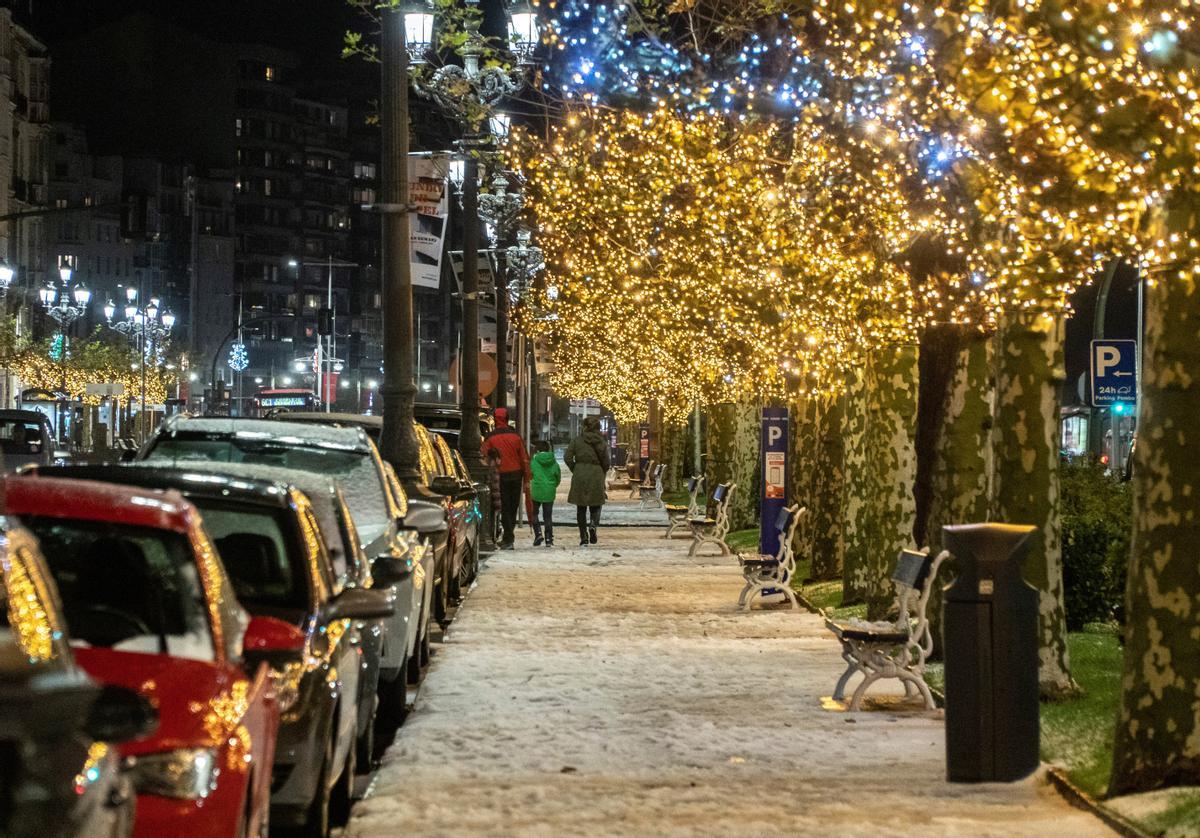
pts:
[1070, 792]
[1080, 799]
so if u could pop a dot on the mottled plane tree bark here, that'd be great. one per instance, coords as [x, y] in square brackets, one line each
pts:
[733, 442]
[854, 533]
[961, 460]
[1158, 728]
[828, 498]
[889, 509]
[1025, 482]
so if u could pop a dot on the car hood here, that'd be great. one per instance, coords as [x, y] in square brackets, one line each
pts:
[198, 705]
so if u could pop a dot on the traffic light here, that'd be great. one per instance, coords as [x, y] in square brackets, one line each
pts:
[324, 322]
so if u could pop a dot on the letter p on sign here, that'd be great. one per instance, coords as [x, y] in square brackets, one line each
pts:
[1107, 356]
[774, 433]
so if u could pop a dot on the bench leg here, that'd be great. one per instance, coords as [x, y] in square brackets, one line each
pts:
[856, 700]
[839, 692]
[913, 680]
[743, 601]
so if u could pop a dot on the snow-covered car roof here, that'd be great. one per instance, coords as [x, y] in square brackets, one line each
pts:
[290, 433]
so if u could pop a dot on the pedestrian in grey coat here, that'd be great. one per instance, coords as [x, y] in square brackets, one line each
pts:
[587, 458]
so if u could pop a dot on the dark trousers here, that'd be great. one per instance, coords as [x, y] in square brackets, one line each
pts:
[581, 518]
[511, 483]
[543, 516]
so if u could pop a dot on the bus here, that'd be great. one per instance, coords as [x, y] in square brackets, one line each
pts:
[296, 399]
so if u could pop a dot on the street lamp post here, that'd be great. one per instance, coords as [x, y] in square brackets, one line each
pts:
[58, 304]
[148, 328]
[407, 35]
[470, 94]
[501, 208]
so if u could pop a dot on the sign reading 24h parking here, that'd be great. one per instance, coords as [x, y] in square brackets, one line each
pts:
[774, 475]
[1114, 371]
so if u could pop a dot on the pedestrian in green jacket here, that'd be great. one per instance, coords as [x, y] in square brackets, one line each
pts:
[587, 458]
[543, 487]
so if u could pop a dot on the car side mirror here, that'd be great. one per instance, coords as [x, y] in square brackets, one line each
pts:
[119, 715]
[360, 604]
[389, 569]
[272, 641]
[445, 484]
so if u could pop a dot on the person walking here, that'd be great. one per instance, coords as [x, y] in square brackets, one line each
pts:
[543, 487]
[587, 458]
[504, 447]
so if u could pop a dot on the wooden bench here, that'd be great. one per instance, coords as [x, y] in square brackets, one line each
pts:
[678, 514]
[772, 575]
[893, 649]
[652, 488]
[635, 485]
[712, 530]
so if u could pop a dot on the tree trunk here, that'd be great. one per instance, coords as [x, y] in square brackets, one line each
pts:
[1025, 486]
[673, 455]
[854, 532]
[1158, 729]
[802, 433]
[891, 463]
[733, 431]
[961, 461]
[827, 500]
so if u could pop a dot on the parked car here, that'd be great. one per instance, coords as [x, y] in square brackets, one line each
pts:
[398, 570]
[445, 420]
[60, 773]
[452, 479]
[150, 608]
[345, 453]
[428, 510]
[268, 538]
[26, 437]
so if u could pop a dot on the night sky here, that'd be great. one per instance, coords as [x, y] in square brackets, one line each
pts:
[312, 28]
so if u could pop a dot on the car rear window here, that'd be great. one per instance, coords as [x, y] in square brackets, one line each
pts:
[133, 589]
[268, 573]
[354, 467]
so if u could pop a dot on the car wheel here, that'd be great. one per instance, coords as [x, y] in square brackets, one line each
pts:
[342, 798]
[426, 651]
[364, 746]
[393, 701]
[316, 825]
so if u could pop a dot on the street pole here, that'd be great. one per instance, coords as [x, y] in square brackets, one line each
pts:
[469, 439]
[501, 325]
[399, 438]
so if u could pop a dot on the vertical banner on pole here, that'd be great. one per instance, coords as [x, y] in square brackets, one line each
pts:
[774, 476]
[643, 448]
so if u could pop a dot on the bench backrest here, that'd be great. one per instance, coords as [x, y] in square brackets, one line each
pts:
[695, 486]
[914, 576]
[721, 497]
[720, 493]
[786, 523]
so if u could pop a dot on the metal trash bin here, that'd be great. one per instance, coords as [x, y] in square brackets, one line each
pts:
[989, 627]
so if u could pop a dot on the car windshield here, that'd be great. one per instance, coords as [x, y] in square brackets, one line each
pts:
[354, 467]
[254, 547]
[133, 589]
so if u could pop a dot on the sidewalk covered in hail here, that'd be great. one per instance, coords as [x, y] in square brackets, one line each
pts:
[616, 690]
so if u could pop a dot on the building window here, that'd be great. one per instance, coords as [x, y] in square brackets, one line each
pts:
[266, 186]
[60, 203]
[237, 129]
[269, 73]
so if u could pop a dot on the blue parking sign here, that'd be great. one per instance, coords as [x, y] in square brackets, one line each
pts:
[1114, 372]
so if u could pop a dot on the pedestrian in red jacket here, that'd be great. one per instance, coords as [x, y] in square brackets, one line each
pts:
[505, 447]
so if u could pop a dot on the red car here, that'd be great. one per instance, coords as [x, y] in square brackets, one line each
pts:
[149, 607]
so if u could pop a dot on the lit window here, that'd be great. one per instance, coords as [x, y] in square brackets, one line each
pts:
[269, 73]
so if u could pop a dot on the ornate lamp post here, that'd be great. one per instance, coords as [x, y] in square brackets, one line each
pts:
[64, 305]
[470, 93]
[148, 328]
[500, 208]
[407, 36]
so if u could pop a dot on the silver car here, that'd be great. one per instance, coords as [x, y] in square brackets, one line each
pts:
[345, 454]
[25, 438]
